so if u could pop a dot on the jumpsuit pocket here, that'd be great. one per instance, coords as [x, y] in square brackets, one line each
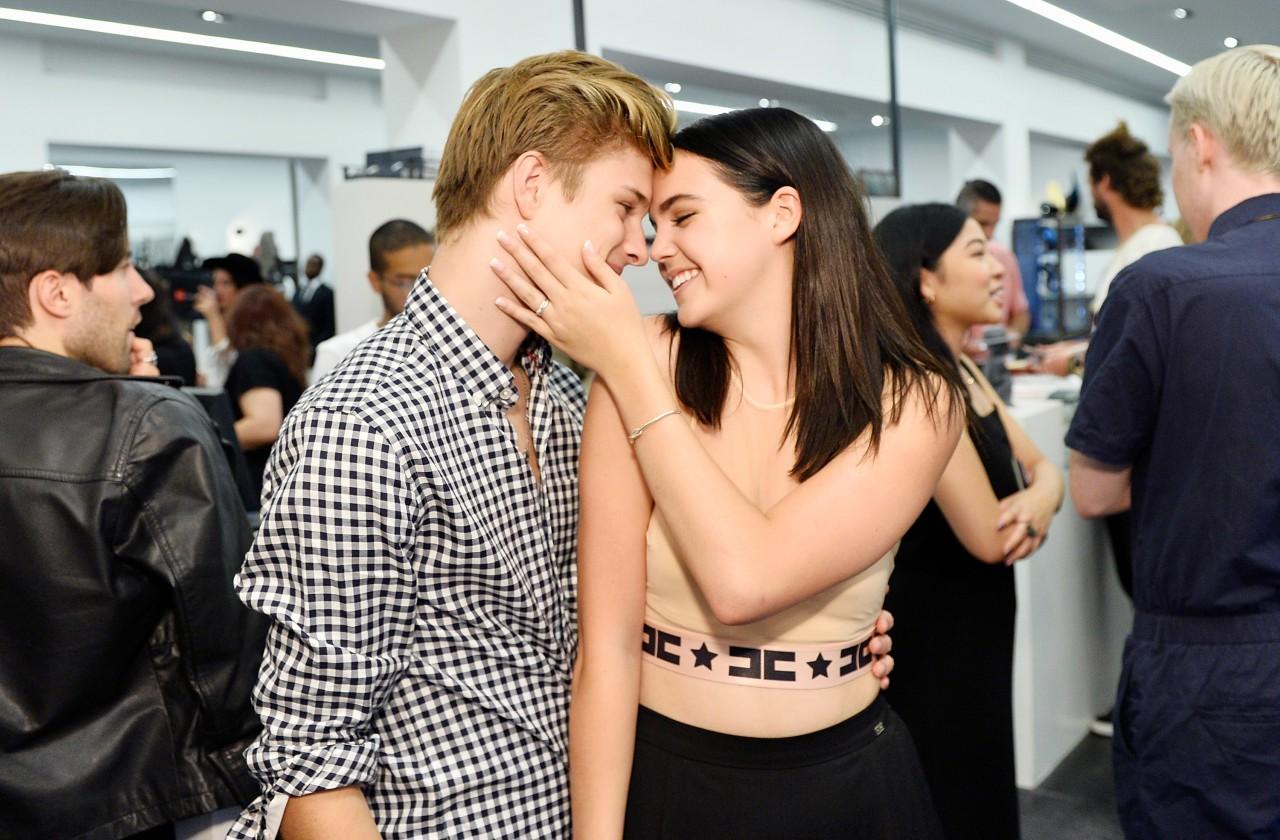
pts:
[1237, 746]
[1123, 715]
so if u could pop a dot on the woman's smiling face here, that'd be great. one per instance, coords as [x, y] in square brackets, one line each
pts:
[965, 288]
[711, 243]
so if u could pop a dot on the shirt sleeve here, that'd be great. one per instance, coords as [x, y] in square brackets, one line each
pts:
[1018, 302]
[333, 568]
[1124, 371]
[254, 369]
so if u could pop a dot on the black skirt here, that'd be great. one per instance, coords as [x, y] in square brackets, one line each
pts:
[858, 779]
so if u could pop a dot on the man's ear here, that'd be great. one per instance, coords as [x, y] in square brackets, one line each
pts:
[530, 180]
[375, 282]
[1203, 143]
[787, 212]
[54, 294]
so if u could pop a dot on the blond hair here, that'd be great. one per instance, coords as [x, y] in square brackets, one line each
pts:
[1236, 94]
[570, 106]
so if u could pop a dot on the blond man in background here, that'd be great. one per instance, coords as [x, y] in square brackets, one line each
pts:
[1178, 419]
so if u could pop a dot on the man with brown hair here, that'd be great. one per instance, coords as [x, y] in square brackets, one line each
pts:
[1124, 178]
[398, 250]
[416, 554]
[128, 661]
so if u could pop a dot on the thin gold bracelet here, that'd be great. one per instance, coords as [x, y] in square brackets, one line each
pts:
[639, 430]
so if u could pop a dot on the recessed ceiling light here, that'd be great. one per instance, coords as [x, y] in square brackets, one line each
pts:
[1181, 13]
[1230, 42]
[1106, 36]
[878, 120]
[176, 36]
[210, 16]
[764, 103]
[673, 87]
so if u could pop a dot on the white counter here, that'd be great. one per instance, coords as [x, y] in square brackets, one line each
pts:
[1072, 614]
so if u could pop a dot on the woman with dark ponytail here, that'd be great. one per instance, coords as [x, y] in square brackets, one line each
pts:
[748, 466]
[952, 585]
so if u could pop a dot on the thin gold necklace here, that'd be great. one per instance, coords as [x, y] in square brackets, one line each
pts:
[763, 406]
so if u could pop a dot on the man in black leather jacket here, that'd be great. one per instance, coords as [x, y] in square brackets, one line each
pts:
[127, 659]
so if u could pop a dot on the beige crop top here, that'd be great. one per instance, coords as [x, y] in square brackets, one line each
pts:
[843, 613]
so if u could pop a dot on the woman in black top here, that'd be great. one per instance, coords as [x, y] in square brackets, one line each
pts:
[270, 371]
[952, 586]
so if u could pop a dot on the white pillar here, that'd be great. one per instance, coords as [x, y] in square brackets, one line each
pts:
[24, 143]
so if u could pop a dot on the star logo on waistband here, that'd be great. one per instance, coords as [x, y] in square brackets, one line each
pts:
[703, 656]
[819, 666]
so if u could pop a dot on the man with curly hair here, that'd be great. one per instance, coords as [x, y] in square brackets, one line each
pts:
[1124, 178]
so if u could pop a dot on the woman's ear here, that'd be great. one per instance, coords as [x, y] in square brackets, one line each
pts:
[787, 212]
[530, 178]
[930, 280]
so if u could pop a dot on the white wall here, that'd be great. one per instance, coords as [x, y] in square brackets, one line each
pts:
[314, 210]
[194, 110]
[1056, 160]
[360, 207]
[209, 192]
[193, 101]
[821, 46]
[152, 214]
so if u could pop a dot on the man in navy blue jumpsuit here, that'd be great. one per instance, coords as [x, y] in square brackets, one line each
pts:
[1180, 415]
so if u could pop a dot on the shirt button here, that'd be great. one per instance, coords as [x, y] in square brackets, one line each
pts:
[507, 394]
[478, 400]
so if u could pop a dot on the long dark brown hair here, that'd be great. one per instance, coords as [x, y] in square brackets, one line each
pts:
[262, 319]
[851, 338]
[911, 239]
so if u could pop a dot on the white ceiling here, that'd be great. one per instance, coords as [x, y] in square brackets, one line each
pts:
[1056, 48]
[353, 27]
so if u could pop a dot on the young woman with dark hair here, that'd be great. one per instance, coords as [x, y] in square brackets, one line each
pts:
[748, 466]
[952, 586]
[174, 356]
[270, 370]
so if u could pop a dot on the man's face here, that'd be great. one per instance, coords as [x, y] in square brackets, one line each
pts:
[100, 331]
[987, 215]
[225, 288]
[313, 268]
[607, 209]
[1100, 205]
[395, 281]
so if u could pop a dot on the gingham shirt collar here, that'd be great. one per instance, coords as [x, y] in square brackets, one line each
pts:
[454, 342]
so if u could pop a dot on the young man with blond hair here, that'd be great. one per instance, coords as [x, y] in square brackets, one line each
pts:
[1179, 416]
[416, 554]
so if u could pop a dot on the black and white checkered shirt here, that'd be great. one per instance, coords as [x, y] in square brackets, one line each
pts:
[422, 588]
